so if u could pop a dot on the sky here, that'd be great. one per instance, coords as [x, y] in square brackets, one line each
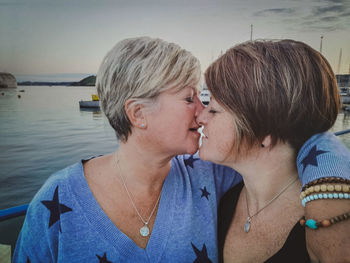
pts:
[62, 38]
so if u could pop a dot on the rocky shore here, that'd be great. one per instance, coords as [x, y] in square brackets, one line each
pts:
[7, 80]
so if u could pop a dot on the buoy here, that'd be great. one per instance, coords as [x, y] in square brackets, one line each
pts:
[19, 96]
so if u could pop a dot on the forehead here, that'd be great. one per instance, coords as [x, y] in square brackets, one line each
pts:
[177, 90]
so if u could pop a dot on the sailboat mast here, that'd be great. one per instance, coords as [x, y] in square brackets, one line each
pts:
[251, 32]
[339, 61]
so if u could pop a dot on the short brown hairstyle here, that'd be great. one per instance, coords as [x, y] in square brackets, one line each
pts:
[283, 88]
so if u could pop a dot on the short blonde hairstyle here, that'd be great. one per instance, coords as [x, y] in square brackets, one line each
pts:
[140, 69]
[283, 88]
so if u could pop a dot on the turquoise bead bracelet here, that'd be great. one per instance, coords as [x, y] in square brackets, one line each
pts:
[325, 196]
[313, 224]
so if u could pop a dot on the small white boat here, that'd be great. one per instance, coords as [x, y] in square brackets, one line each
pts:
[204, 96]
[89, 104]
[92, 104]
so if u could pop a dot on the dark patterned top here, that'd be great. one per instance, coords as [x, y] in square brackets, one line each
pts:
[293, 250]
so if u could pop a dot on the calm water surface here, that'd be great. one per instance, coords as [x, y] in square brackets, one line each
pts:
[45, 131]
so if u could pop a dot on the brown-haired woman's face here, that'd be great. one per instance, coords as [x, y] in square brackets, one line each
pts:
[218, 134]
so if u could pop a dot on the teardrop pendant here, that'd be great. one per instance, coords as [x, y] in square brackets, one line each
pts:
[247, 225]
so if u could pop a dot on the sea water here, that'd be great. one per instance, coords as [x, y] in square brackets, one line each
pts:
[44, 131]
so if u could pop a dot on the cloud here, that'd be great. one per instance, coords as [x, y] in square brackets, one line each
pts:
[330, 19]
[329, 9]
[277, 11]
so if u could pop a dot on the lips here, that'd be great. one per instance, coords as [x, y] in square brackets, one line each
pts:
[194, 129]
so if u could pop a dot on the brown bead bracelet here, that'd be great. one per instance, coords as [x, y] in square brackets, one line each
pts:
[337, 187]
[326, 180]
[313, 224]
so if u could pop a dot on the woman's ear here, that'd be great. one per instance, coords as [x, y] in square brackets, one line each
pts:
[135, 112]
[266, 142]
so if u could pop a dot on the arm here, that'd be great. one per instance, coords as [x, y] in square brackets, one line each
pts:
[323, 155]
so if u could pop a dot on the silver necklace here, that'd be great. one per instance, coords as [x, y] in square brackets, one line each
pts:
[249, 219]
[144, 230]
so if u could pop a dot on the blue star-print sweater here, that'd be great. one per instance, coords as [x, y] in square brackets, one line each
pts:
[64, 222]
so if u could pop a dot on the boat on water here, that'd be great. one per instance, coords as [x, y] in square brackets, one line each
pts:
[204, 96]
[91, 104]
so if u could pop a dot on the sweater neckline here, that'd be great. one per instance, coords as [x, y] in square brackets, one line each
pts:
[106, 229]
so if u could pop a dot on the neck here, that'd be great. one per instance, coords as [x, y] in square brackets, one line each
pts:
[266, 173]
[141, 169]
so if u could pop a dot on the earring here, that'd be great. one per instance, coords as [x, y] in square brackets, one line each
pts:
[262, 145]
[142, 125]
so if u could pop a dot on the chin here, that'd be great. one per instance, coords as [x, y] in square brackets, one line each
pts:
[192, 149]
[202, 154]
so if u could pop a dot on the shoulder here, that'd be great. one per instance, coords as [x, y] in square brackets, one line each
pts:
[40, 230]
[199, 173]
[194, 165]
[55, 189]
[59, 180]
[323, 155]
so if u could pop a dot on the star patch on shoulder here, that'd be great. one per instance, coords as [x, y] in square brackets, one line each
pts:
[311, 157]
[28, 261]
[56, 209]
[205, 193]
[202, 255]
[190, 161]
[103, 259]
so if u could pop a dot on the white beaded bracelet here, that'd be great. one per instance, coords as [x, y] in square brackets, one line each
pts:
[325, 196]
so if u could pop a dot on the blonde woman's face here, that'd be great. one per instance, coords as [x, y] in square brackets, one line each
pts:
[173, 127]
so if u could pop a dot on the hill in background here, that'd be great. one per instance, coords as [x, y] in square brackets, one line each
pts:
[88, 81]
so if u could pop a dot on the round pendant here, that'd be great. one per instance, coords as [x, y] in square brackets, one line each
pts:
[144, 231]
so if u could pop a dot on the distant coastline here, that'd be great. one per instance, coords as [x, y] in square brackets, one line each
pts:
[88, 81]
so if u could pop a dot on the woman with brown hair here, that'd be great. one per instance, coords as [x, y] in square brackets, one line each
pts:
[268, 99]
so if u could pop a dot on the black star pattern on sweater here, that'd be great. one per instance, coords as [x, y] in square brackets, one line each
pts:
[311, 157]
[190, 161]
[56, 209]
[202, 255]
[205, 193]
[28, 261]
[103, 259]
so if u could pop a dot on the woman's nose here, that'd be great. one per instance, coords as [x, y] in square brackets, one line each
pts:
[201, 117]
[199, 106]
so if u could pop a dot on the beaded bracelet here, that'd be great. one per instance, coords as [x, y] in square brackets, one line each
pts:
[325, 196]
[327, 180]
[345, 188]
[313, 224]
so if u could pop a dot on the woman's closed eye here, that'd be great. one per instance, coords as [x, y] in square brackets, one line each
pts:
[189, 99]
[212, 111]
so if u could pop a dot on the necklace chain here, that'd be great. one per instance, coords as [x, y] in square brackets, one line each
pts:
[116, 160]
[247, 224]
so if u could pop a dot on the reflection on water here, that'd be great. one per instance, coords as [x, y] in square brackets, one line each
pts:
[96, 113]
[41, 133]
